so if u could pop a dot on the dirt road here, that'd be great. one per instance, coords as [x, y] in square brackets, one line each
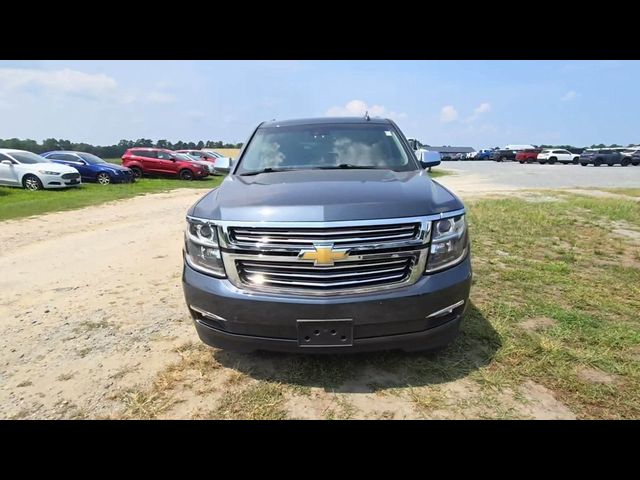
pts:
[90, 298]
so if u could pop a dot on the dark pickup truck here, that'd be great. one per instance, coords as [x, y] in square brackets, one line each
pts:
[327, 236]
[602, 156]
[503, 155]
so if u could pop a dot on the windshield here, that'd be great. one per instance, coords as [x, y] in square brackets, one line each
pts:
[28, 157]
[91, 159]
[325, 146]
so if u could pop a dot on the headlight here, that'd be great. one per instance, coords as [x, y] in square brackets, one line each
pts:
[449, 243]
[47, 172]
[202, 251]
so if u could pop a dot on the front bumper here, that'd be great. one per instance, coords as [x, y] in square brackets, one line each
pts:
[123, 178]
[236, 319]
[56, 181]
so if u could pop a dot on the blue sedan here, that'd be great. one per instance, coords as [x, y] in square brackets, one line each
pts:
[91, 167]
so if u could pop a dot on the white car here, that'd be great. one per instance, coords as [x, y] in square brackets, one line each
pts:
[222, 163]
[19, 168]
[551, 155]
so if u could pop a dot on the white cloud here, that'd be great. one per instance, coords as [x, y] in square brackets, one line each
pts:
[479, 111]
[570, 95]
[448, 114]
[65, 81]
[357, 108]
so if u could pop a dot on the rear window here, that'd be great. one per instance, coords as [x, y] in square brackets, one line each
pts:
[144, 153]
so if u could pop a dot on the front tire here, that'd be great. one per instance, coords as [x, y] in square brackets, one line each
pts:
[137, 172]
[575, 161]
[597, 162]
[625, 162]
[31, 182]
[186, 175]
[552, 160]
[584, 164]
[103, 178]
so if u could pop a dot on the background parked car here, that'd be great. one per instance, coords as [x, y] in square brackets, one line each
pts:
[483, 154]
[221, 163]
[503, 155]
[601, 156]
[527, 155]
[188, 158]
[159, 161]
[551, 155]
[19, 168]
[91, 167]
[632, 155]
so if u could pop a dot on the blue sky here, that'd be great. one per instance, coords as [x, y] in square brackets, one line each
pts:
[470, 103]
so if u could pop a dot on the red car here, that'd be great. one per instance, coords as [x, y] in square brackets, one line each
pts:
[527, 155]
[158, 161]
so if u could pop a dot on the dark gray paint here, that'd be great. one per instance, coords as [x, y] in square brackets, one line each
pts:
[325, 196]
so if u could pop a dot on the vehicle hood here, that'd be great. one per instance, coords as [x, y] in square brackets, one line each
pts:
[50, 167]
[325, 196]
[111, 166]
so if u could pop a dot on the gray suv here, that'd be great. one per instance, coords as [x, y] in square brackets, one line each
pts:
[327, 236]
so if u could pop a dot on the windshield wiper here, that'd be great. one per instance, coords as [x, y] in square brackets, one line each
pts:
[267, 170]
[348, 166]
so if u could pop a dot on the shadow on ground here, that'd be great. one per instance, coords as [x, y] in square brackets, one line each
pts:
[367, 372]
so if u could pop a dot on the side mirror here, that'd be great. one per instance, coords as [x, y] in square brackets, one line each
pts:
[432, 163]
[428, 158]
[6, 162]
[173, 159]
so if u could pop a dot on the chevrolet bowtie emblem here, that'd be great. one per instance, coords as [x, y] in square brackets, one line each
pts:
[324, 254]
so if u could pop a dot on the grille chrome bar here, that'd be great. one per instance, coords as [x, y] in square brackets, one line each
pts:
[335, 284]
[322, 232]
[311, 267]
[325, 276]
[304, 237]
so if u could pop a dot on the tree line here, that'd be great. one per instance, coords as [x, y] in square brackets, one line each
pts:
[109, 151]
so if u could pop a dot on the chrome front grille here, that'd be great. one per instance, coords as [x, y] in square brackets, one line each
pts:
[70, 176]
[307, 237]
[325, 258]
[304, 275]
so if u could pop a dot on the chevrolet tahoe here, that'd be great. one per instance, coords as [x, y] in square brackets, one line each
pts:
[327, 236]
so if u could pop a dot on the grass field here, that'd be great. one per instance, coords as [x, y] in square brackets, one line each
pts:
[553, 331]
[17, 202]
[435, 173]
[630, 192]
